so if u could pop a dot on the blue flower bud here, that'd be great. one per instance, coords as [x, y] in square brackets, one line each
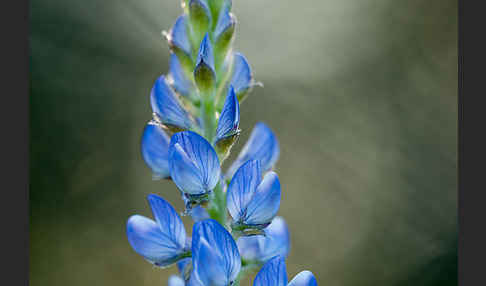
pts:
[200, 16]
[274, 273]
[181, 83]
[161, 242]
[155, 146]
[178, 37]
[241, 77]
[175, 280]
[215, 257]
[194, 165]
[251, 201]
[167, 107]
[204, 73]
[262, 146]
[275, 241]
[228, 124]
[304, 278]
[180, 44]
[223, 34]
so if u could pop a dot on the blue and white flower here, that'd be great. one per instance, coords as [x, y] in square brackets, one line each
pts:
[215, 257]
[163, 241]
[194, 165]
[274, 273]
[252, 201]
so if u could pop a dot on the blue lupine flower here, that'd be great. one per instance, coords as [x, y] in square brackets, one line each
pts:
[180, 82]
[175, 280]
[229, 120]
[215, 257]
[178, 37]
[253, 202]
[276, 241]
[194, 165]
[262, 146]
[242, 77]
[274, 273]
[161, 242]
[155, 146]
[167, 107]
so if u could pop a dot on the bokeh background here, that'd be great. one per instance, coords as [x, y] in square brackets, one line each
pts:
[362, 95]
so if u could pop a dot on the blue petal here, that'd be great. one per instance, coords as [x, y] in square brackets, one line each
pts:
[276, 241]
[210, 268]
[225, 20]
[194, 165]
[155, 146]
[184, 172]
[168, 220]
[178, 35]
[304, 278]
[265, 202]
[229, 121]
[262, 145]
[205, 55]
[198, 213]
[214, 252]
[148, 240]
[181, 83]
[242, 76]
[273, 273]
[175, 280]
[166, 105]
[242, 188]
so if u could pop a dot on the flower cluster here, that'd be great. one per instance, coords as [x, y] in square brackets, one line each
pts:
[195, 123]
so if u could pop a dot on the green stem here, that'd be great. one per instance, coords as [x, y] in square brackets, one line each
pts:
[217, 207]
[208, 117]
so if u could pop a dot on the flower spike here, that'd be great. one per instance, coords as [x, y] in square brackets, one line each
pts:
[253, 202]
[262, 146]
[275, 241]
[161, 242]
[215, 257]
[155, 146]
[167, 107]
[194, 165]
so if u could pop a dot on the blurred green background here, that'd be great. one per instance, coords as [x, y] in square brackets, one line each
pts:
[362, 95]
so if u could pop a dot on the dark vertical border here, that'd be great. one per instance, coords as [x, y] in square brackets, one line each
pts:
[460, 130]
[472, 143]
[14, 120]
